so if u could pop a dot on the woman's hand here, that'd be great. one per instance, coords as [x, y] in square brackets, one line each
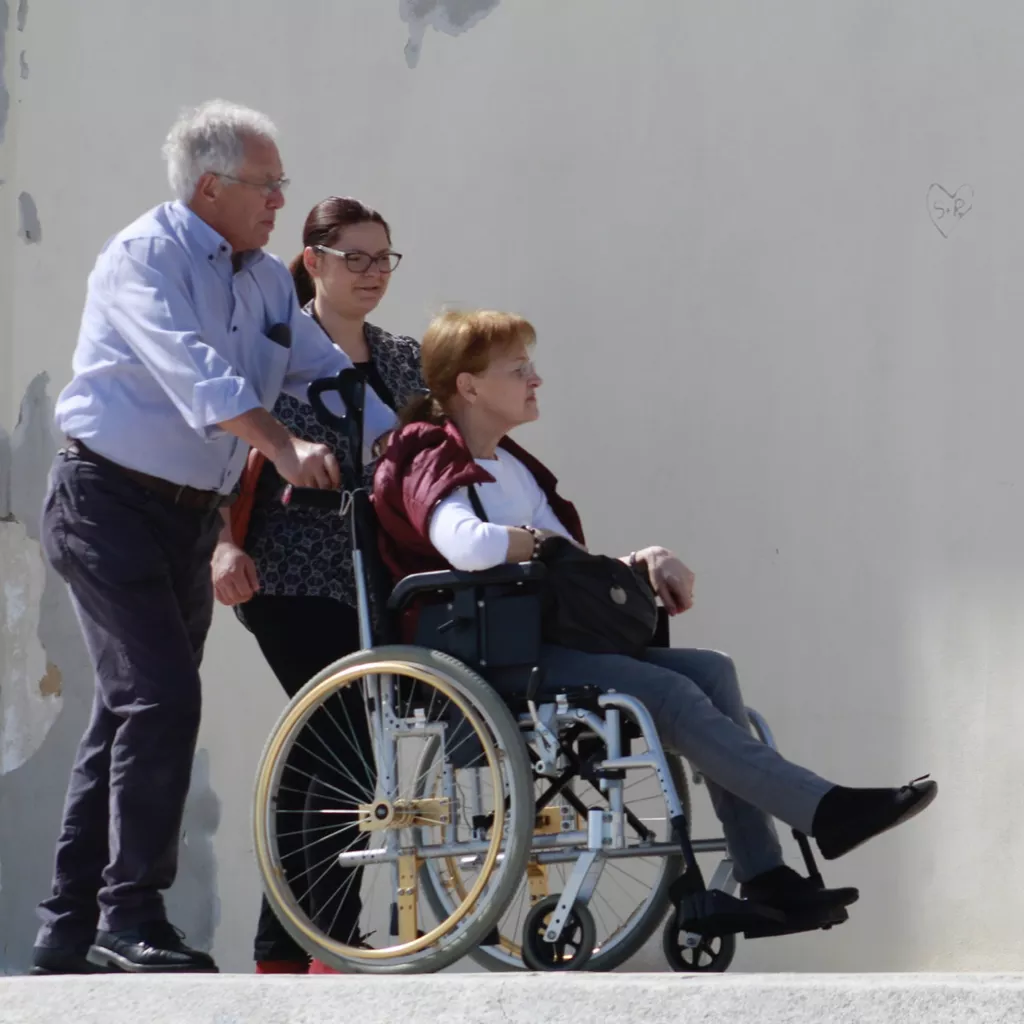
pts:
[234, 574]
[671, 580]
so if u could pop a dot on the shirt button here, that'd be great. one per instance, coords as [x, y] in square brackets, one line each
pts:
[210, 257]
[234, 328]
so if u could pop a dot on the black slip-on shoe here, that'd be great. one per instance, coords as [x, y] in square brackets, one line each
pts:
[785, 889]
[846, 818]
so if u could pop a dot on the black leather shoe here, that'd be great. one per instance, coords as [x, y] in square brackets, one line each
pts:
[62, 960]
[155, 947]
[845, 818]
[786, 890]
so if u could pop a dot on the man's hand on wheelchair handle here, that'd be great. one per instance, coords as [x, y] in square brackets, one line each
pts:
[234, 574]
[305, 464]
[672, 581]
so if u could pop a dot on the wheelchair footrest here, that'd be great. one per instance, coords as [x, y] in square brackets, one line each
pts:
[713, 913]
[796, 923]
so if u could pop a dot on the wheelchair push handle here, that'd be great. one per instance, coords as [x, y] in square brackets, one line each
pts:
[311, 497]
[350, 385]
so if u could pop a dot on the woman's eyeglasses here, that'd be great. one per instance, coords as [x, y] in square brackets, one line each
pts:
[360, 262]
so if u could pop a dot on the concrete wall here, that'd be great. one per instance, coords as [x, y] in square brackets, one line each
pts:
[762, 345]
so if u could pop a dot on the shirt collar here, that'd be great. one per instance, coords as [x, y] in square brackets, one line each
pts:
[202, 240]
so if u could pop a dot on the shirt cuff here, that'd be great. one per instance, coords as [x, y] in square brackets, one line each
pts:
[214, 401]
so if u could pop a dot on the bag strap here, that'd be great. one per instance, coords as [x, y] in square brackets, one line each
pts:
[241, 509]
[478, 505]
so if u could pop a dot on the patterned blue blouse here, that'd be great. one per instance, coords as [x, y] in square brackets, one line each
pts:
[307, 552]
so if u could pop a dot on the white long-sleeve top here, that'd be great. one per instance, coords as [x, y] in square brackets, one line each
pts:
[513, 499]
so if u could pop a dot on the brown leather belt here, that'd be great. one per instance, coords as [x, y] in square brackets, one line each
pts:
[178, 494]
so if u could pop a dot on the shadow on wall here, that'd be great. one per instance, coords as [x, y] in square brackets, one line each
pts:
[46, 694]
[193, 904]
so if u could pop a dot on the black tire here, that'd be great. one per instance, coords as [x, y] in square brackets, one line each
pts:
[713, 955]
[579, 932]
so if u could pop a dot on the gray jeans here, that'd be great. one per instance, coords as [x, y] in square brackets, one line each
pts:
[695, 700]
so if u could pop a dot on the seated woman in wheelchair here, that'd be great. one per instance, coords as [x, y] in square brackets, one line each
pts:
[454, 441]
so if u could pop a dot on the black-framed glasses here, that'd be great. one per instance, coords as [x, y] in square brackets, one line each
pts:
[359, 262]
[267, 188]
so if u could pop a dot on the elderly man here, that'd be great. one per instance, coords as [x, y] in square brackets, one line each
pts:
[189, 334]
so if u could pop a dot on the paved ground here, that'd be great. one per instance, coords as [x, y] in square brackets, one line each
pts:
[520, 999]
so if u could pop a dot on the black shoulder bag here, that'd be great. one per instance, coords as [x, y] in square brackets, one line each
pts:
[592, 603]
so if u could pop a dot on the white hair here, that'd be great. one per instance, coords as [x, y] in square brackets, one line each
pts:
[210, 139]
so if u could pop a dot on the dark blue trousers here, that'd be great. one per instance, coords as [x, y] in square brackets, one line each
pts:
[138, 568]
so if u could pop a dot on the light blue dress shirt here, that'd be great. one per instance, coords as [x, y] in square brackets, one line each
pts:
[174, 341]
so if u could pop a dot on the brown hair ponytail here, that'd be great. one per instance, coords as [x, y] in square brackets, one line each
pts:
[304, 287]
[422, 408]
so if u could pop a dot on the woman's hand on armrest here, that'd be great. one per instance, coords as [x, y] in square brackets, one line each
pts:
[671, 580]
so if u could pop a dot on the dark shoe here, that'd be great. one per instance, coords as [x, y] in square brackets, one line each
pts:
[150, 948]
[848, 817]
[784, 889]
[822, 919]
[60, 960]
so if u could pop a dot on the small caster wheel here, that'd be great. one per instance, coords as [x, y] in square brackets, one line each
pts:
[712, 955]
[570, 951]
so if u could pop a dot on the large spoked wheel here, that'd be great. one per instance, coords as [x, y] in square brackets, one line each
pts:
[342, 825]
[632, 894]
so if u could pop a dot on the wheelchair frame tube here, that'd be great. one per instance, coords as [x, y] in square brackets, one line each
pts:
[613, 719]
[554, 849]
[358, 569]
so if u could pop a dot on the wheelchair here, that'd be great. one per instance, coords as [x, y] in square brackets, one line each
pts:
[437, 793]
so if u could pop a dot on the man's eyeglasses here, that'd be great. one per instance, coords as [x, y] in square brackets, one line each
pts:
[267, 188]
[360, 262]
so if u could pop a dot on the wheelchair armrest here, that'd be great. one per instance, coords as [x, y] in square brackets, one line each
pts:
[511, 572]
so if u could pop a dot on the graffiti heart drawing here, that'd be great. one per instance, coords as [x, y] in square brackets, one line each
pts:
[946, 210]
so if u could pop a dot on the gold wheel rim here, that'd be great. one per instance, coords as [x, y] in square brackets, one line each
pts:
[272, 876]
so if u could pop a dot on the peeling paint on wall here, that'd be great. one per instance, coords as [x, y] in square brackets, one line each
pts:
[5, 475]
[5, 96]
[193, 903]
[22, 14]
[452, 17]
[30, 683]
[51, 685]
[24, 65]
[30, 698]
[33, 446]
[61, 676]
[29, 228]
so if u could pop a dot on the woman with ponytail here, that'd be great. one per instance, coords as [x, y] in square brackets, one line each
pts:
[288, 572]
